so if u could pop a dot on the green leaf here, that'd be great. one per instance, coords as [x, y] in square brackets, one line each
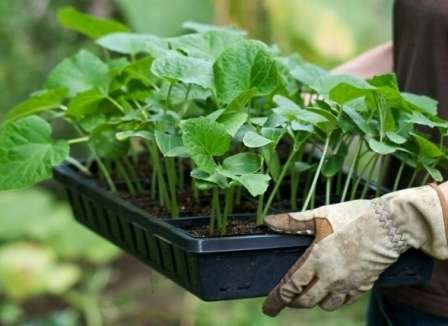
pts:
[381, 147]
[170, 145]
[84, 104]
[396, 138]
[325, 83]
[214, 178]
[243, 66]
[435, 174]
[27, 153]
[232, 121]
[359, 120]
[204, 28]
[421, 103]
[426, 147]
[106, 144]
[307, 73]
[40, 102]
[242, 163]
[87, 25]
[208, 46]
[205, 139]
[301, 167]
[344, 93]
[255, 183]
[176, 67]
[132, 44]
[273, 134]
[386, 80]
[80, 73]
[293, 112]
[253, 140]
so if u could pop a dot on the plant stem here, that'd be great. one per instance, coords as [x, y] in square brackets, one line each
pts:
[228, 200]
[122, 171]
[359, 179]
[134, 175]
[171, 173]
[260, 217]
[312, 189]
[279, 180]
[78, 165]
[398, 177]
[163, 193]
[78, 140]
[369, 178]
[414, 176]
[328, 191]
[295, 183]
[350, 173]
[379, 183]
[116, 104]
[103, 169]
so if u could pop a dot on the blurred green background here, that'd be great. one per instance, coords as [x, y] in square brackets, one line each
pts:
[52, 271]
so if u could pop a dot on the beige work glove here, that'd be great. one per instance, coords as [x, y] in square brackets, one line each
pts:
[354, 243]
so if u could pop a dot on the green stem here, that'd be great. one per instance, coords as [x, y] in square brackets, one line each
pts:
[369, 178]
[186, 105]
[260, 217]
[163, 193]
[116, 104]
[350, 173]
[379, 182]
[103, 169]
[316, 176]
[295, 183]
[228, 198]
[171, 173]
[134, 175]
[398, 177]
[280, 179]
[78, 165]
[414, 176]
[328, 191]
[122, 171]
[359, 178]
[78, 140]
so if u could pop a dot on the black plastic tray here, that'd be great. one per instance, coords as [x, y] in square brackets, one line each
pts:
[211, 268]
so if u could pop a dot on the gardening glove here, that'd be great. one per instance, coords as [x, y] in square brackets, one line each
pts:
[354, 243]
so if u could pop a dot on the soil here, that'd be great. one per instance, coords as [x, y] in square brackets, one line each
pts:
[234, 227]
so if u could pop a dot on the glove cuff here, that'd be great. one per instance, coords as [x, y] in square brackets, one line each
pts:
[444, 204]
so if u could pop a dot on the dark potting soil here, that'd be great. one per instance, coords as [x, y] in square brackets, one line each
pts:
[234, 227]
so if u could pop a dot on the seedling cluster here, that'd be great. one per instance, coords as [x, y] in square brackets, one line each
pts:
[234, 114]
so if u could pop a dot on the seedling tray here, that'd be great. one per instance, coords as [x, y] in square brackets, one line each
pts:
[220, 268]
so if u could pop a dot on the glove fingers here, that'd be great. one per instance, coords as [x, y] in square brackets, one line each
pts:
[299, 276]
[293, 223]
[333, 301]
[310, 297]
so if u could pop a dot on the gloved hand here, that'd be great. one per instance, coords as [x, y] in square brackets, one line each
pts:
[354, 243]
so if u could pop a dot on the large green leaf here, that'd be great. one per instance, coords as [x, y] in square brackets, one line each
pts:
[242, 163]
[307, 73]
[293, 112]
[176, 67]
[325, 83]
[28, 153]
[80, 73]
[40, 102]
[90, 26]
[132, 44]
[205, 139]
[208, 46]
[381, 147]
[204, 28]
[244, 66]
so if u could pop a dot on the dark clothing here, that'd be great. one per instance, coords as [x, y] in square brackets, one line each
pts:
[384, 311]
[421, 65]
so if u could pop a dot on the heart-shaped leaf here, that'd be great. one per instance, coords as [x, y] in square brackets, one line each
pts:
[205, 139]
[28, 153]
[80, 73]
[132, 44]
[170, 145]
[243, 66]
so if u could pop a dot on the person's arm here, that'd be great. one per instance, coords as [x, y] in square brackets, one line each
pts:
[355, 242]
[373, 62]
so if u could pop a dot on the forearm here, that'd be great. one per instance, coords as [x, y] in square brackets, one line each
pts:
[373, 62]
